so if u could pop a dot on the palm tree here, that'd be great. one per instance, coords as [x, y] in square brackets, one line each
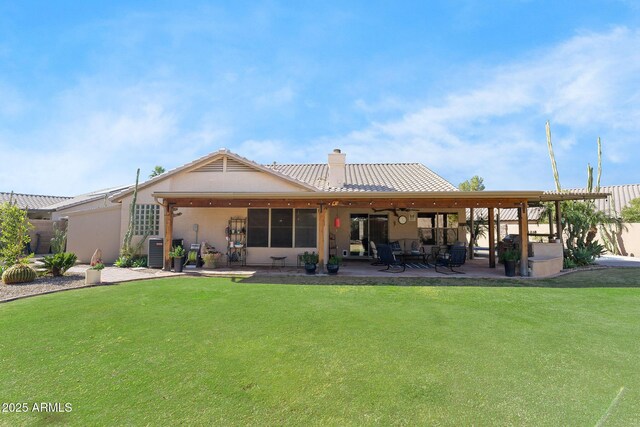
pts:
[158, 170]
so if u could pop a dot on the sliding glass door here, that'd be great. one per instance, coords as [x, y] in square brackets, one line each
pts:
[367, 228]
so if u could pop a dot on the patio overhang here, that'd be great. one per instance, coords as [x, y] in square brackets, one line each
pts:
[454, 199]
[375, 200]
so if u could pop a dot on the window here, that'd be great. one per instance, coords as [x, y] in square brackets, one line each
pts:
[276, 228]
[306, 234]
[146, 220]
[281, 228]
[258, 228]
[437, 228]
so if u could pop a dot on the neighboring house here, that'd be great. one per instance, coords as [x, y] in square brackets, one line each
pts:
[332, 208]
[37, 206]
[91, 222]
[39, 212]
[620, 196]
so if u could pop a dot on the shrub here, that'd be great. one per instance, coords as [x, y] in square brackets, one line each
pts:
[584, 254]
[58, 264]
[15, 233]
[631, 213]
[568, 263]
[19, 273]
[131, 261]
[177, 252]
[140, 261]
[310, 258]
[123, 262]
[510, 255]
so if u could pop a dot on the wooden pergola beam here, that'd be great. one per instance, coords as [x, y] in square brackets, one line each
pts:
[524, 239]
[559, 220]
[391, 204]
[322, 222]
[168, 234]
[471, 228]
[492, 239]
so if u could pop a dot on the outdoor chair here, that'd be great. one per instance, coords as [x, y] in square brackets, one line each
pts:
[374, 253]
[436, 251]
[456, 257]
[388, 258]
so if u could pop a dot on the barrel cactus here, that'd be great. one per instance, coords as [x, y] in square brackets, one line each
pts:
[18, 273]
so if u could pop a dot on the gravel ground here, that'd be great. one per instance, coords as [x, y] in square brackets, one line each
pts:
[41, 285]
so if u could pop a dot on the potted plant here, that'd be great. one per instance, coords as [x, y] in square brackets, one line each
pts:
[333, 265]
[210, 259]
[510, 258]
[93, 275]
[177, 253]
[310, 262]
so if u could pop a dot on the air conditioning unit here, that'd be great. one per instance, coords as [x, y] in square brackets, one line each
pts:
[155, 258]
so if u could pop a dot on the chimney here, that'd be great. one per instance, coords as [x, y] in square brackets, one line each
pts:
[337, 169]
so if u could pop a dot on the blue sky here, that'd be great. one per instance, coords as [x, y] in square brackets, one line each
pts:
[90, 91]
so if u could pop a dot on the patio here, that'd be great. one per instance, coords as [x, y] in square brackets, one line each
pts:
[477, 267]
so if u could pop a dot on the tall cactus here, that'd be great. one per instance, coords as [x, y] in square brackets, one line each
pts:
[599, 165]
[126, 249]
[554, 167]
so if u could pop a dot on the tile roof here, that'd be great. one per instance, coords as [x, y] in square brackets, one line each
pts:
[392, 177]
[32, 201]
[620, 197]
[511, 214]
[87, 197]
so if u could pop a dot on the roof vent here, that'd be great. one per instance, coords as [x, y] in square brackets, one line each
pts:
[337, 169]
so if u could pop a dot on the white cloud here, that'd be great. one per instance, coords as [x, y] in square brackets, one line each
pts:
[279, 97]
[587, 86]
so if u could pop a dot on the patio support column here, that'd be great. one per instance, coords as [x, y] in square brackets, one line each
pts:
[471, 233]
[492, 240]
[168, 234]
[322, 225]
[524, 239]
[559, 221]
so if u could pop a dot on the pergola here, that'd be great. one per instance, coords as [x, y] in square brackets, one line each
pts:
[324, 201]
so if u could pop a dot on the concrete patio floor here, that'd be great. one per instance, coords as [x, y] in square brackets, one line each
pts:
[476, 268]
[472, 268]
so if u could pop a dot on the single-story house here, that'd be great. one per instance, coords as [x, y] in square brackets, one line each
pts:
[37, 206]
[253, 212]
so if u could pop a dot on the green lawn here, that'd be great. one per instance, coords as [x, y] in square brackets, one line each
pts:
[214, 351]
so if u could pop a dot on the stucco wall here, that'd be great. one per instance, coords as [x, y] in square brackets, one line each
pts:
[631, 240]
[230, 182]
[92, 229]
[44, 228]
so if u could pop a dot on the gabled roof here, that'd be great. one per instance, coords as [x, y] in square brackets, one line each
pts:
[204, 162]
[87, 197]
[369, 177]
[32, 201]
